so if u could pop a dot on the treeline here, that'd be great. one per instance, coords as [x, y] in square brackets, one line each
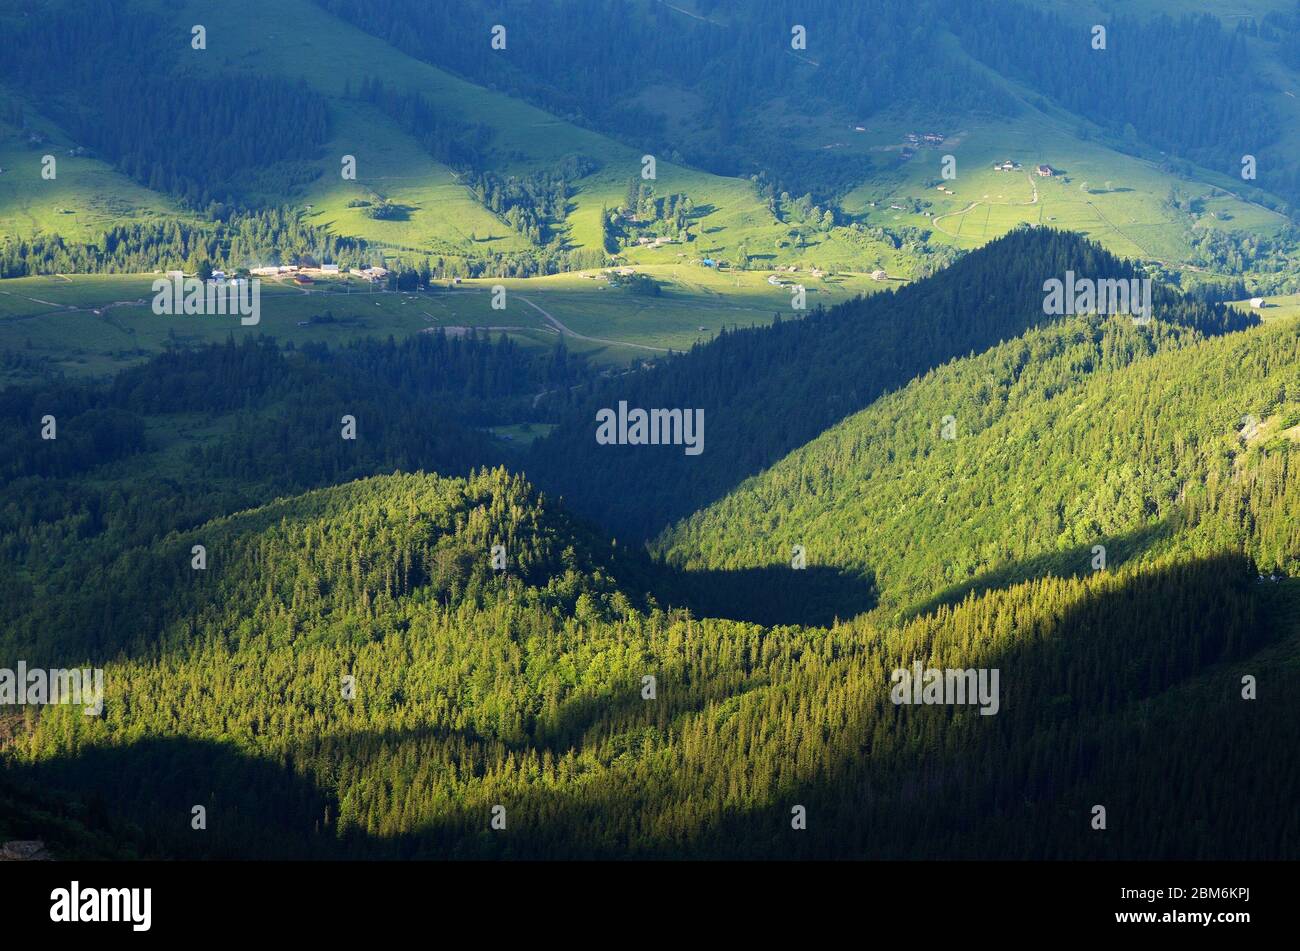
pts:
[273, 424]
[442, 134]
[1271, 260]
[1281, 27]
[409, 272]
[1187, 86]
[767, 391]
[112, 79]
[535, 205]
[228, 239]
[352, 675]
[593, 66]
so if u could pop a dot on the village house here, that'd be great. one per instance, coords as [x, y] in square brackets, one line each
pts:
[1257, 302]
[1045, 171]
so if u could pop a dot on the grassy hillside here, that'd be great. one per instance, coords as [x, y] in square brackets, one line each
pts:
[1118, 199]
[86, 197]
[93, 325]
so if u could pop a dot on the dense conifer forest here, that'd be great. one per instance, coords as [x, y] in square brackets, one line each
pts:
[772, 389]
[354, 673]
[380, 579]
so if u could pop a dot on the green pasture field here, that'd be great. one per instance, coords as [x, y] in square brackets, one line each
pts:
[93, 325]
[1116, 199]
[84, 198]
[1275, 308]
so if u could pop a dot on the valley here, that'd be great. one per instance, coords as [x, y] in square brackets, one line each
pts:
[430, 559]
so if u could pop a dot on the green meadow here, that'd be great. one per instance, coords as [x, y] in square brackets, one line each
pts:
[90, 325]
[84, 197]
[442, 216]
[1275, 308]
[93, 325]
[1116, 199]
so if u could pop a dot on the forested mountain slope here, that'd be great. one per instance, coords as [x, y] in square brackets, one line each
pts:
[526, 690]
[350, 675]
[1175, 83]
[766, 391]
[1090, 432]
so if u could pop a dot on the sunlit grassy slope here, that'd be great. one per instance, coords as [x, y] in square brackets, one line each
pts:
[1115, 198]
[334, 57]
[95, 324]
[84, 197]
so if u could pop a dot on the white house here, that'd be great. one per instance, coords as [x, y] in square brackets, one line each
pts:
[1257, 302]
[329, 268]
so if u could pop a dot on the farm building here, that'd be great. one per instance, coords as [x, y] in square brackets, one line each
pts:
[302, 279]
[879, 275]
[1045, 171]
[265, 271]
[1257, 302]
[329, 268]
